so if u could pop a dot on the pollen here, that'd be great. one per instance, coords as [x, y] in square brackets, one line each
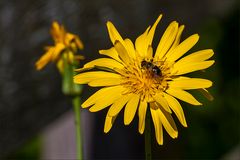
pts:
[143, 80]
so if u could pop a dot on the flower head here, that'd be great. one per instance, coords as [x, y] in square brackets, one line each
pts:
[65, 44]
[136, 78]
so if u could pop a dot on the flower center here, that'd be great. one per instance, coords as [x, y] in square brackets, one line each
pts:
[145, 78]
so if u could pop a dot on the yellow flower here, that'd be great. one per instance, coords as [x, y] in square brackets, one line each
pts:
[65, 43]
[135, 78]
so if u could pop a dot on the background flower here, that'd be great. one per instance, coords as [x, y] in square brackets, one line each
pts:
[65, 44]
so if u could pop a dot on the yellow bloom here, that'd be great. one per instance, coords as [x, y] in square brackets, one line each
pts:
[135, 78]
[65, 43]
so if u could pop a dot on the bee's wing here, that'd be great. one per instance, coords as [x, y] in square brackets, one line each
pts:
[158, 63]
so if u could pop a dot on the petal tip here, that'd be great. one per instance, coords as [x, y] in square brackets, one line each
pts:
[174, 22]
[126, 122]
[196, 36]
[175, 135]
[93, 109]
[198, 104]
[38, 67]
[211, 50]
[159, 17]
[100, 51]
[84, 106]
[182, 26]
[185, 125]
[109, 23]
[141, 131]
[160, 142]
[75, 80]
[106, 130]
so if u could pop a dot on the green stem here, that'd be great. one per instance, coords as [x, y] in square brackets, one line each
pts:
[76, 105]
[148, 152]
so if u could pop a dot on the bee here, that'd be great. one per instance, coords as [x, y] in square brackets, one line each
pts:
[154, 70]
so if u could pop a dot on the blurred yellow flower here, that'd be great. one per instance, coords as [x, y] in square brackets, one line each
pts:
[64, 43]
[135, 78]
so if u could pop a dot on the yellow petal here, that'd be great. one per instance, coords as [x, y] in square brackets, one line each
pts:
[141, 44]
[119, 104]
[69, 38]
[166, 40]
[157, 125]
[145, 40]
[142, 114]
[79, 42]
[191, 83]
[113, 33]
[181, 78]
[206, 94]
[104, 62]
[105, 82]
[183, 95]
[130, 48]
[182, 48]
[131, 109]
[45, 59]
[109, 98]
[191, 67]
[108, 123]
[178, 38]
[87, 77]
[57, 51]
[100, 94]
[57, 31]
[177, 109]
[110, 53]
[196, 57]
[152, 31]
[168, 122]
[122, 52]
[161, 101]
[55, 26]
[149, 52]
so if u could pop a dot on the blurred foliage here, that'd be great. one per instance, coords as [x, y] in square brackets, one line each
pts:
[29, 151]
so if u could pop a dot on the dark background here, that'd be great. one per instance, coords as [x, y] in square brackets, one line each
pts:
[31, 100]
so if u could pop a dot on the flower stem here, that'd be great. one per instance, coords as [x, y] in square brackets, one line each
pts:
[76, 105]
[148, 151]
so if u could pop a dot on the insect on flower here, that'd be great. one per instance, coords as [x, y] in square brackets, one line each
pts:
[154, 70]
[135, 78]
